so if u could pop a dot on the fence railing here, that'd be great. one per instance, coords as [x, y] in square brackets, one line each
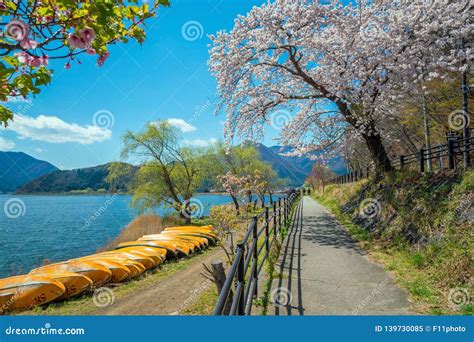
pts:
[241, 284]
[445, 156]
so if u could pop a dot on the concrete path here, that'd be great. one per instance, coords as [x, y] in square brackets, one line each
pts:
[324, 272]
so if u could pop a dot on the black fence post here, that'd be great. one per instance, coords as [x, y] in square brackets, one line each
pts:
[422, 160]
[402, 162]
[451, 153]
[279, 214]
[241, 280]
[368, 169]
[255, 254]
[275, 228]
[267, 234]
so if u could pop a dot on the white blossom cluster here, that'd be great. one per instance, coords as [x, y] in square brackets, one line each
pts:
[333, 66]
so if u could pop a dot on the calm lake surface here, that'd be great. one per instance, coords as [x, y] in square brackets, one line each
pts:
[60, 227]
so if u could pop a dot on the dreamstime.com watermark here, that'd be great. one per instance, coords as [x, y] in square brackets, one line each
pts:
[46, 330]
[194, 295]
[101, 210]
[367, 300]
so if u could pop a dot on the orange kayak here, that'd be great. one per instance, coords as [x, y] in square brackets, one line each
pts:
[74, 283]
[135, 267]
[150, 253]
[119, 271]
[27, 291]
[211, 238]
[170, 248]
[194, 244]
[185, 247]
[146, 261]
[196, 240]
[96, 272]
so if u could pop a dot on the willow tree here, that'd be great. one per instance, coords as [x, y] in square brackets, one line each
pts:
[170, 173]
[36, 32]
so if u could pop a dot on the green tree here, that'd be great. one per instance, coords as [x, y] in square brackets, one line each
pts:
[35, 32]
[170, 173]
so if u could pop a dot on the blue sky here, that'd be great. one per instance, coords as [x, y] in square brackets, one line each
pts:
[165, 78]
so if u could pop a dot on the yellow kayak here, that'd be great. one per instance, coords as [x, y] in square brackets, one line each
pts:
[135, 267]
[146, 261]
[170, 248]
[205, 229]
[194, 244]
[119, 271]
[196, 240]
[184, 247]
[156, 255]
[74, 283]
[212, 239]
[96, 272]
[27, 291]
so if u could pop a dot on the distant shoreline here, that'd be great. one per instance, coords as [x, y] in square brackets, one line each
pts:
[90, 193]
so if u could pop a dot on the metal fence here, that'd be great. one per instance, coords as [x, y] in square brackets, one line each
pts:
[457, 151]
[240, 286]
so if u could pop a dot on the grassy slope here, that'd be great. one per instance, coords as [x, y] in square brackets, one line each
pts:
[422, 233]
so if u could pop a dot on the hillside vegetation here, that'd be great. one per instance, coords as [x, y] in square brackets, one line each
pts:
[91, 179]
[421, 228]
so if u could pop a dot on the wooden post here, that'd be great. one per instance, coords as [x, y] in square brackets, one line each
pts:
[218, 273]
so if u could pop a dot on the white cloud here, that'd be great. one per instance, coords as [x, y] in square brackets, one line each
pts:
[6, 145]
[54, 130]
[199, 142]
[182, 125]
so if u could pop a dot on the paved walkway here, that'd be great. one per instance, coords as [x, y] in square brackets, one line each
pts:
[324, 272]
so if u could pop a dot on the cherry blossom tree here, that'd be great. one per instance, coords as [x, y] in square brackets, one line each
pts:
[35, 32]
[330, 66]
[233, 185]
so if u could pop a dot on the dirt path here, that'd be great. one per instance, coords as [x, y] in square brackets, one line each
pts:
[168, 296]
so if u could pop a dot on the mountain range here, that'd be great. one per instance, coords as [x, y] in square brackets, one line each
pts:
[18, 168]
[24, 174]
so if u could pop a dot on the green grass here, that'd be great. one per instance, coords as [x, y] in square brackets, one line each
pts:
[204, 305]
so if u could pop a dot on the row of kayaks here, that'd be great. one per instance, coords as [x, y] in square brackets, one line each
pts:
[62, 280]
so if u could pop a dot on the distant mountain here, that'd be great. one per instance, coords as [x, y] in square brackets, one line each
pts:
[86, 179]
[18, 168]
[92, 179]
[296, 169]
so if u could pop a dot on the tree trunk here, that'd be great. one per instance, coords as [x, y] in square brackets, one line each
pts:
[186, 212]
[378, 153]
[236, 204]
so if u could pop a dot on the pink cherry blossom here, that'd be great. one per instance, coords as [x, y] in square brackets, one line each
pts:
[87, 35]
[102, 58]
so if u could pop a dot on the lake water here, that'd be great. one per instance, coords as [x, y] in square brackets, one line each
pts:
[63, 227]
